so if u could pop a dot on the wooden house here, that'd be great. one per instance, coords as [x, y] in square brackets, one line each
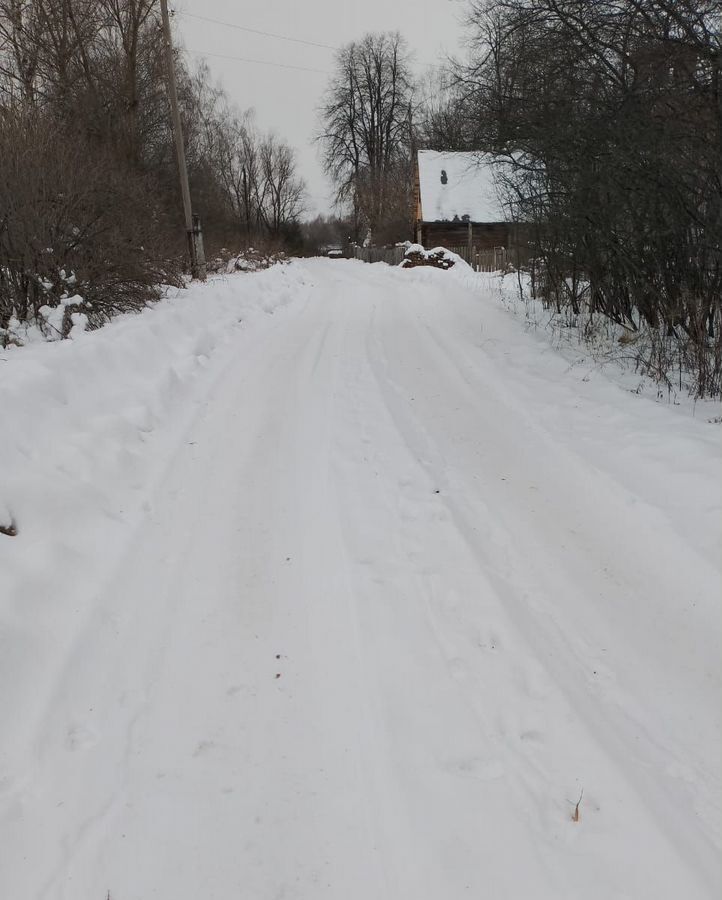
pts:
[457, 203]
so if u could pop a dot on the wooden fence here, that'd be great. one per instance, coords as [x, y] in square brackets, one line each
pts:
[494, 259]
[390, 255]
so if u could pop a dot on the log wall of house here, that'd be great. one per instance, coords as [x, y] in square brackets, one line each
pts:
[456, 234]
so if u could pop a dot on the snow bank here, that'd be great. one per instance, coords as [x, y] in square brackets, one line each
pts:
[595, 346]
[640, 433]
[79, 439]
[76, 412]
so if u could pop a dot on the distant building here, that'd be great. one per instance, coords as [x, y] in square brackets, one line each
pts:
[457, 203]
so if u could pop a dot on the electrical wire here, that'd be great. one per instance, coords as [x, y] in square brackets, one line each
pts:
[259, 62]
[270, 34]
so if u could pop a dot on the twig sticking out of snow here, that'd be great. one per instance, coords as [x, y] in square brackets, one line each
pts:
[575, 815]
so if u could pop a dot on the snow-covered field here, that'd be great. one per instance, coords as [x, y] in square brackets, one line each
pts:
[334, 581]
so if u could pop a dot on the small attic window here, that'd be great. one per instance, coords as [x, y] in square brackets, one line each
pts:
[444, 177]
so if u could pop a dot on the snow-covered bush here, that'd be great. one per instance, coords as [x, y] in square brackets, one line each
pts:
[252, 260]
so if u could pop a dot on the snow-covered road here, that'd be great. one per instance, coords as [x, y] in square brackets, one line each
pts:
[401, 588]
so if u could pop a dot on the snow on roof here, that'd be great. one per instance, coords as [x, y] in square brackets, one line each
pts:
[454, 185]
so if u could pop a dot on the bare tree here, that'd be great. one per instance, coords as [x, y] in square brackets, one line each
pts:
[132, 35]
[88, 180]
[284, 191]
[608, 114]
[256, 174]
[366, 127]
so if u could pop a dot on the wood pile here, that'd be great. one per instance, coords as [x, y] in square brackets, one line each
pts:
[417, 256]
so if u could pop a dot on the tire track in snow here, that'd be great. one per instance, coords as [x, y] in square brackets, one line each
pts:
[434, 703]
[511, 587]
[466, 748]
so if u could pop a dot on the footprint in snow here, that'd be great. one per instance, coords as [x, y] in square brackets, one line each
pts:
[476, 767]
[203, 748]
[81, 737]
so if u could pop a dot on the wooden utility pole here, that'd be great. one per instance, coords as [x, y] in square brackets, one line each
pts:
[193, 223]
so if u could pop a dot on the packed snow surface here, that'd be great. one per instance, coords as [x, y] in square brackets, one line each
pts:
[454, 185]
[332, 581]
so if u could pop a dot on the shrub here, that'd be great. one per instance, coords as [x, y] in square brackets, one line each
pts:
[73, 223]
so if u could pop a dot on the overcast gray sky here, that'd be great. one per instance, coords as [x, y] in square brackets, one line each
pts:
[285, 99]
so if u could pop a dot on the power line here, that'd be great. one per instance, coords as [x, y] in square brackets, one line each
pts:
[270, 34]
[258, 62]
